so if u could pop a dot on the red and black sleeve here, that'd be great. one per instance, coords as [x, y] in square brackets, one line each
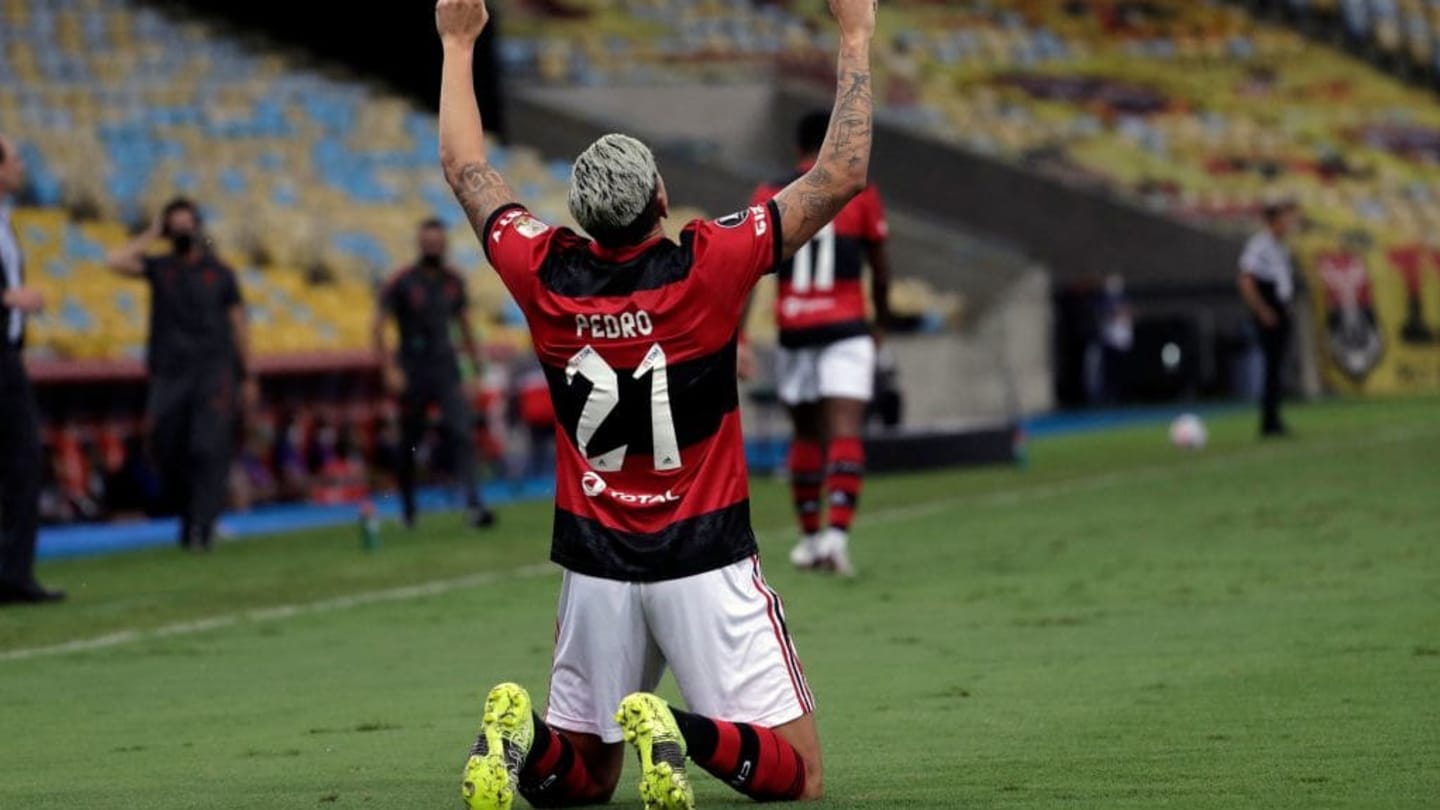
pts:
[515, 244]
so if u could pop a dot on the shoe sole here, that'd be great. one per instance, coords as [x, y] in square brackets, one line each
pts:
[489, 783]
[664, 785]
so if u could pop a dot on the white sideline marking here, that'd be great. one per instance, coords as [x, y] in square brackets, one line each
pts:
[278, 612]
[898, 514]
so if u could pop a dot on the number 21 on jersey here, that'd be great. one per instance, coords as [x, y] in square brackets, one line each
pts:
[605, 398]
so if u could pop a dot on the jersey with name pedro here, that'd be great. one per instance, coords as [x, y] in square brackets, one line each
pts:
[638, 347]
[821, 295]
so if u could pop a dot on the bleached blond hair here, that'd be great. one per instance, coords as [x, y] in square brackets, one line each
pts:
[611, 184]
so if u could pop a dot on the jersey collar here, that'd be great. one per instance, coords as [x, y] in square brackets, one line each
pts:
[624, 254]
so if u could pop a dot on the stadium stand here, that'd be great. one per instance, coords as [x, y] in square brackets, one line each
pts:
[1397, 32]
[311, 184]
[1198, 109]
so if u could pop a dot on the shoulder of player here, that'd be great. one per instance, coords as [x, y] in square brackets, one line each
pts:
[1259, 238]
[1260, 244]
[743, 225]
[561, 238]
[220, 265]
[397, 276]
[519, 225]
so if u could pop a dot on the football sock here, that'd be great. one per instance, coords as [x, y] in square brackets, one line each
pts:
[846, 473]
[751, 759]
[807, 473]
[554, 775]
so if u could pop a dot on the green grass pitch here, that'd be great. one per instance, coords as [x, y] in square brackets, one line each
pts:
[1119, 624]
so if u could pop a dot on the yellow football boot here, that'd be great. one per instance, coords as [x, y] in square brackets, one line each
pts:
[651, 728]
[506, 734]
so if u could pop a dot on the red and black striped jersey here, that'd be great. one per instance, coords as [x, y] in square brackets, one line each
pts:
[638, 348]
[821, 298]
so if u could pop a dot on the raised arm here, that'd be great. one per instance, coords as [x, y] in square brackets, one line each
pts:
[477, 185]
[129, 260]
[842, 170]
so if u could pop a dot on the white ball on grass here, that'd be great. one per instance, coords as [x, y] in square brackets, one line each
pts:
[1187, 432]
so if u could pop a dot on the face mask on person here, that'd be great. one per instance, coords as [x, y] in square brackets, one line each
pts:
[182, 243]
[432, 260]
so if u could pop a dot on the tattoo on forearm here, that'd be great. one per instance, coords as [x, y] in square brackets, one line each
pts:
[805, 208]
[480, 189]
[819, 176]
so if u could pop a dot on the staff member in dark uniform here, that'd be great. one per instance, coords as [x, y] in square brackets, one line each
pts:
[198, 358]
[1267, 283]
[20, 454]
[427, 299]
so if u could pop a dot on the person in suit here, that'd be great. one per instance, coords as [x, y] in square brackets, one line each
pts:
[20, 454]
[1267, 285]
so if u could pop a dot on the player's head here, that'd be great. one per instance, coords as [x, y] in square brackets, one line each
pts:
[12, 167]
[1280, 216]
[810, 133]
[180, 223]
[616, 193]
[432, 241]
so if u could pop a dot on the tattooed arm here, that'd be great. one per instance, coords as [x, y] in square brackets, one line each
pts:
[477, 185]
[841, 171]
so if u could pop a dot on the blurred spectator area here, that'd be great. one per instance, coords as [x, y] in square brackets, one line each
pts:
[311, 181]
[1198, 109]
[325, 435]
[311, 184]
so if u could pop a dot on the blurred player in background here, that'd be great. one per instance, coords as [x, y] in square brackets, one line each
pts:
[198, 358]
[826, 363]
[1267, 284]
[426, 300]
[20, 452]
[638, 337]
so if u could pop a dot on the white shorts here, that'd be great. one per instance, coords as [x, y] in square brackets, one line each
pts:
[722, 632]
[844, 369]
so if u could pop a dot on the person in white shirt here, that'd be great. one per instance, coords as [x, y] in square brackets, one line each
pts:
[1267, 284]
[20, 453]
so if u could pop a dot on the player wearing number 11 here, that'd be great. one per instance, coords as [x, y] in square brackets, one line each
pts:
[637, 335]
[826, 363]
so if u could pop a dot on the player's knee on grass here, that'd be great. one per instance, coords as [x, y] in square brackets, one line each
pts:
[803, 735]
[603, 760]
